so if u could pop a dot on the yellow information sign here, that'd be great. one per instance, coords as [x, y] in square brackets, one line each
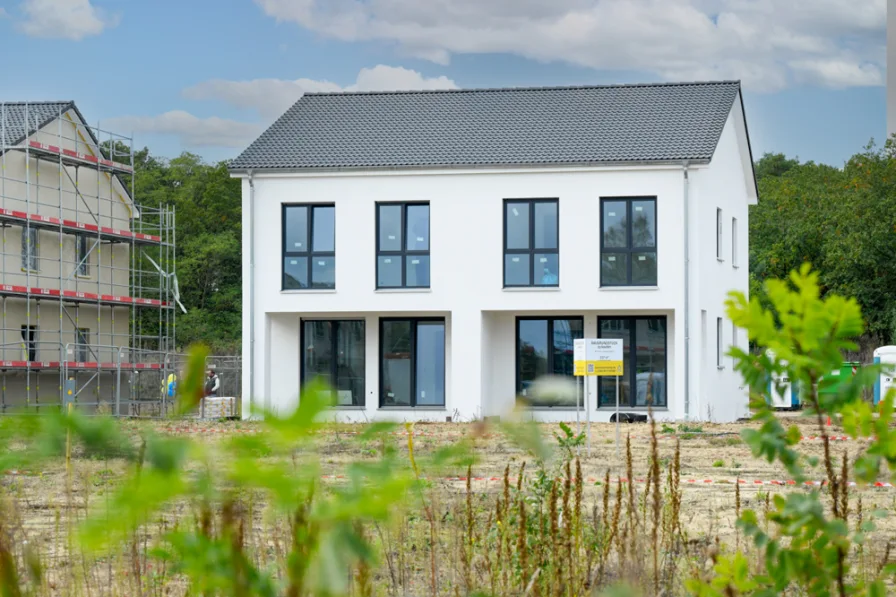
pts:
[597, 357]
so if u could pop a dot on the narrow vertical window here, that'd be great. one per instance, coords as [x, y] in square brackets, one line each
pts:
[720, 341]
[82, 345]
[82, 242]
[734, 260]
[719, 233]
[309, 247]
[29, 342]
[29, 249]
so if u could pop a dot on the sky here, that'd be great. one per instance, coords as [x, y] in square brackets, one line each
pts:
[207, 76]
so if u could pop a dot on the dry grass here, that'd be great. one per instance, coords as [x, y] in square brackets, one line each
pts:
[502, 527]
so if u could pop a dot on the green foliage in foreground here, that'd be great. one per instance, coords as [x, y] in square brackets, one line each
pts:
[809, 548]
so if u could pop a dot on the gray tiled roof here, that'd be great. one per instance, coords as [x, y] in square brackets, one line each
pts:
[12, 118]
[496, 127]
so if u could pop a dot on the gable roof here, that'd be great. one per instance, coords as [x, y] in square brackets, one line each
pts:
[543, 126]
[40, 114]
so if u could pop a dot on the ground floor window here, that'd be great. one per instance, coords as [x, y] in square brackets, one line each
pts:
[334, 351]
[644, 361]
[544, 346]
[412, 362]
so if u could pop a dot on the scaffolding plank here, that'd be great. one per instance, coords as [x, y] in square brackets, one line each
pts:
[76, 227]
[83, 297]
[29, 364]
[77, 158]
[77, 365]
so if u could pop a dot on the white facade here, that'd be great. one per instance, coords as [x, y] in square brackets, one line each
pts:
[466, 215]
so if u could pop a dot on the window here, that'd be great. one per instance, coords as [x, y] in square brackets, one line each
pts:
[334, 351]
[82, 345]
[83, 253]
[412, 362]
[29, 342]
[644, 361]
[628, 242]
[719, 234]
[29, 249]
[531, 253]
[720, 350]
[402, 245]
[734, 242]
[309, 246]
[544, 346]
[733, 337]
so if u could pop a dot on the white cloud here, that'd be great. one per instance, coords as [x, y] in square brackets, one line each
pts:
[64, 19]
[191, 130]
[268, 97]
[272, 97]
[769, 44]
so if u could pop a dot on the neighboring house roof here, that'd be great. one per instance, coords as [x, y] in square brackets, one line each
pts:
[544, 126]
[39, 115]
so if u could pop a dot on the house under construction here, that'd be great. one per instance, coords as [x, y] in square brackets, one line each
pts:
[88, 289]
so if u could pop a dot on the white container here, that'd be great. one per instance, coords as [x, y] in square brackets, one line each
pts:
[885, 355]
[788, 396]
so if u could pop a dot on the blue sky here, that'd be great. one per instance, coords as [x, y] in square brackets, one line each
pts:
[207, 76]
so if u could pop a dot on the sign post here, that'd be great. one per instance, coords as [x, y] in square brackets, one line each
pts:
[597, 357]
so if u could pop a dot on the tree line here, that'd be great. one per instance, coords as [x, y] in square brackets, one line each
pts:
[841, 220]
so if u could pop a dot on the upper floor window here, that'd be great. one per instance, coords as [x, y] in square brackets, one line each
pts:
[309, 246]
[719, 234]
[82, 242]
[734, 242]
[531, 243]
[29, 249]
[628, 242]
[402, 245]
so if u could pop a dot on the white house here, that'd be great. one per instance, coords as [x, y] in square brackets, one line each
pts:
[432, 253]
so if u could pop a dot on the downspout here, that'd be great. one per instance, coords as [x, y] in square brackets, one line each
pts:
[251, 290]
[687, 297]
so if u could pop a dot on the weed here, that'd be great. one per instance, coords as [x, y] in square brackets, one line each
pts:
[718, 464]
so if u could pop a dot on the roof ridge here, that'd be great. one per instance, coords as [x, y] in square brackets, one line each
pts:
[37, 103]
[535, 88]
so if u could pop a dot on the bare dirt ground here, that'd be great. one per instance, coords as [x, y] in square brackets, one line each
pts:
[713, 460]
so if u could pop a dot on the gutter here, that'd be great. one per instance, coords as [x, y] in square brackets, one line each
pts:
[687, 296]
[251, 289]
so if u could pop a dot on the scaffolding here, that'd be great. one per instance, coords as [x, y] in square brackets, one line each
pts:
[88, 290]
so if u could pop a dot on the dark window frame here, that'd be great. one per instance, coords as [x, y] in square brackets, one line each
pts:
[415, 321]
[30, 249]
[404, 252]
[629, 369]
[532, 250]
[82, 255]
[516, 332]
[630, 249]
[30, 340]
[719, 238]
[310, 253]
[83, 348]
[720, 348]
[303, 376]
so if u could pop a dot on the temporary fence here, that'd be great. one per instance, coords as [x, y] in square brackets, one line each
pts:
[120, 381]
